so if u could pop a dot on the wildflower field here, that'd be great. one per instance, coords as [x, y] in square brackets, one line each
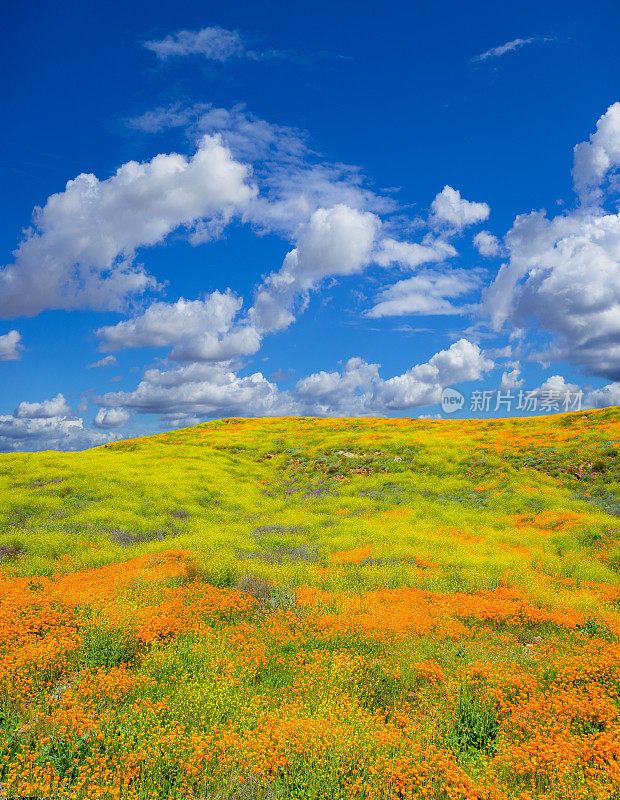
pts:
[315, 608]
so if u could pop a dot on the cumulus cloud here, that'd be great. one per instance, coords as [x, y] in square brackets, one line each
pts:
[449, 208]
[215, 43]
[106, 361]
[509, 47]
[80, 253]
[200, 330]
[564, 273]
[511, 379]
[199, 391]
[335, 241]
[605, 396]
[47, 433]
[112, 418]
[486, 244]
[346, 393]
[10, 346]
[557, 384]
[411, 254]
[429, 292]
[359, 389]
[566, 394]
[294, 180]
[422, 385]
[596, 158]
[48, 425]
[56, 407]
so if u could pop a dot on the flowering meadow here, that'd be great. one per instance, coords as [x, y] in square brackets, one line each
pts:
[315, 608]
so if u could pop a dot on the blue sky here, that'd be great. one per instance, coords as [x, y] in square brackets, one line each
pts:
[244, 209]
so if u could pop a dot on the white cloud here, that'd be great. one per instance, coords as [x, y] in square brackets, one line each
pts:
[508, 47]
[449, 208]
[596, 158]
[557, 384]
[564, 273]
[359, 389]
[294, 180]
[335, 241]
[486, 244]
[56, 407]
[200, 330]
[213, 43]
[111, 418]
[10, 346]
[605, 396]
[511, 379]
[243, 340]
[429, 292]
[220, 44]
[558, 387]
[198, 391]
[348, 393]
[411, 254]
[106, 361]
[50, 433]
[81, 250]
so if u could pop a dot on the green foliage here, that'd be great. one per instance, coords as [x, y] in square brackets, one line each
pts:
[475, 725]
[107, 647]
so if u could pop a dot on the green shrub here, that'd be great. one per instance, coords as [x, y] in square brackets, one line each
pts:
[475, 725]
[107, 647]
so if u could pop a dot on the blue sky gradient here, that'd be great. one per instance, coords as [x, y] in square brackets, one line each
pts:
[402, 155]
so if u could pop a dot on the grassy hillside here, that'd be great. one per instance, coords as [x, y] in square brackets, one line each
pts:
[285, 608]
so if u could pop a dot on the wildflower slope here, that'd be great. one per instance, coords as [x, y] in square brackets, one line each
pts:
[315, 608]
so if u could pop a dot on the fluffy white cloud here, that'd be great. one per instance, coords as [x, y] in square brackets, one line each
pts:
[348, 393]
[55, 407]
[508, 47]
[200, 330]
[80, 252]
[359, 389]
[243, 340]
[213, 43]
[429, 292]
[111, 418]
[605, 396]
[567, 393]
[595, 158]
[411, 254]
[511, 379]
[10, 346]
[49, 433]
[557, 383]
[564, 272]
[200, 390]
[449, 208]
[335, 241]
[294, 180]
[486, 244]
